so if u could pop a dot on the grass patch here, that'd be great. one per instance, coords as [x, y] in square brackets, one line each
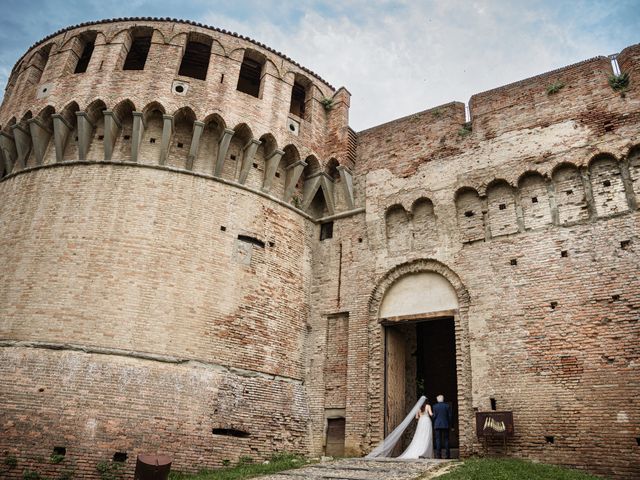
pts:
[246, 469]
[512, 469]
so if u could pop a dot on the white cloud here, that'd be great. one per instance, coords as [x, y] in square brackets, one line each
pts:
[398, 58]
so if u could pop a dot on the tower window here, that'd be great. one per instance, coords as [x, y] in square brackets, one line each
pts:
[137, 56]
[326, 230]
[250, 76]
[298, 97]
[195, 61]
[85, 57]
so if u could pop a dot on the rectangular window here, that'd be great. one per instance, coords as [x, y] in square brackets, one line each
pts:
[195, 61]
[250, 75]
[137, 56]
[298, 96]
[326, 230]
[85, 57]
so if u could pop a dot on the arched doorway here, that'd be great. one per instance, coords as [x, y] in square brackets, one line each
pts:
[418, 313]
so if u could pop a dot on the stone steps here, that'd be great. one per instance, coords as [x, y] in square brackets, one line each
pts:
[361, 469]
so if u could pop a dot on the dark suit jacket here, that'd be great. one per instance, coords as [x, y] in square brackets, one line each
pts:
[441, 415]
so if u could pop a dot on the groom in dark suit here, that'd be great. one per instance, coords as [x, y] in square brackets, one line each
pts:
[442, 422]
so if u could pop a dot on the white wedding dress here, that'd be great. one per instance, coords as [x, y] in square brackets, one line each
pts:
[421, 445]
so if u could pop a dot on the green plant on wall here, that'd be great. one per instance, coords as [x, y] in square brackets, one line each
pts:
[465, 130]
[109, 470]
[10, 461]
[555, 87]
[327, 103]
[619, 82]
[56, 458]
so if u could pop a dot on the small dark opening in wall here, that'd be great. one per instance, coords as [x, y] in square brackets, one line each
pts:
[277, 174]
[569, 192]
[514, 261]
[615, 297]
[326, 230]
[255, 165]
[137, 56]
[608, 127]
[127, 137]
[468, 213]
[638, 441]
[223, 228]
[292, 127]
[233, 157]
[502, 206]
[120, 457]
[253, 240]
[100, 137]
[179, 88]
[553, 305]
[59, 451]
[272, 244]
[298, 96]
[152, 140]
[359, 240]
[564, 253]
[606, 183]
[624, 244]
[549, 439]
[41, 389]
[195, 61]
[534, 199]
[180, 145]
[493, 403]
[76, 139]
[222, 78]
[230, 432]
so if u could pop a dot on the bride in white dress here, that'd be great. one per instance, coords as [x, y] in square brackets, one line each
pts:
[422, 442]
[421, 445]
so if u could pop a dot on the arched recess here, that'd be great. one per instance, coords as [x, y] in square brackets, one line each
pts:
[23, 142]
[411, 298]
[255, 179]
[70, 146]
[569, 193]
[469, 215]
[214, 125]
[122, 147]
[181, 139]
[534, 200]
[289, 158]
[607, 185]
[425, 234]
[38, 63]
[634, 171]
[502, 208]
[233, 161]
[42, 136]
[95, 114]
[151, 143]
[333, 172]
[398, 229]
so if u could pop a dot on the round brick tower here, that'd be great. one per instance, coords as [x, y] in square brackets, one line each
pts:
[162, 186]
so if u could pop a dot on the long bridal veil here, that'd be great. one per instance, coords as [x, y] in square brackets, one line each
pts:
[387, 445]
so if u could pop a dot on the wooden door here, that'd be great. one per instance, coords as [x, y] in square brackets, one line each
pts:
[395, 344]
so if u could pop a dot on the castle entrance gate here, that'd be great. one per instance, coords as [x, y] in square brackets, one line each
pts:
[418, 313]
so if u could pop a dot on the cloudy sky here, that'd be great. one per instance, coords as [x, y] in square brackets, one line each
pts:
[396, 57]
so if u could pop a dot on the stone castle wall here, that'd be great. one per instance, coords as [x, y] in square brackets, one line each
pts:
[184, 273]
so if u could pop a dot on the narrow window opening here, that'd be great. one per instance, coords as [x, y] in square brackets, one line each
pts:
[359, 240]
[514, 261]
[298, 96]
[534, 199]
[468, 213]
[624, 244]
[127, 137]
[326, 231]
[502, 206]
[138, 52]
[277, 174]
[253, 240]
[76, 139]
[180, 145]
[100, 137]
[493, 403]
[549, 439]
[120, 457]
[222, 78]
[553, 305]
[62, 451]
[250, 76]
[638, 441]
[85, 57]
[564, 253]
[233, 157]
[195, 61]
[606, 183]
[230, 432]
[152, 140]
